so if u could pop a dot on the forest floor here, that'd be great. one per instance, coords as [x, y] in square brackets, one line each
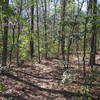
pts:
[33, 81]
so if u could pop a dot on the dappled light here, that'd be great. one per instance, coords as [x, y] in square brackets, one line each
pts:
[49, 50]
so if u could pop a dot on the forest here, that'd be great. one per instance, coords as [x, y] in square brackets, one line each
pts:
[49, 49]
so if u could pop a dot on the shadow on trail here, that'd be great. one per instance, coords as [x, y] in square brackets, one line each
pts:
[13, 97]
[62, 92]
[24, 66]
[97, 64]
[41, 77]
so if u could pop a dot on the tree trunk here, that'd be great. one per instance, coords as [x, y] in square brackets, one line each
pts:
[68, 51]
[32, 31]
[84, 48]
[19, 31]
[5, 34]
[38, 35]
[12, 46]
[94, 34]
[84, 45]
[45, 27]
[63, 6]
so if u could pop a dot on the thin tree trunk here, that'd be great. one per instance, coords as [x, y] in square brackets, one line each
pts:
[12, 47]
[45, 27]
[84, 49]
[59, 44]
[19, 31]
[54, 22]
[84, 45]
[77, 49]
[63, 9]
[68, 51]
[94, 34]
[5, 34]
[32, 32]
[38, 35]
[44, 7]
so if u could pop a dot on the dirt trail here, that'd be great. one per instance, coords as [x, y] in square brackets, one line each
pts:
[38, 82]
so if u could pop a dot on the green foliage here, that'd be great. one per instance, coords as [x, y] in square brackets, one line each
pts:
[1, 2]
[84, 92]
[69, 76]
[24, 44]
[70, 23]
[93, 76]
[2, 88]
[29, 3]
[4, 70]
[53, 47]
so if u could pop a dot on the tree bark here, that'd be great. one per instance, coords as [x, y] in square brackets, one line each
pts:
[32, 32]
[63, 6]
[94, 34]
[19, 31]
[45, 27]
[38, 35]
[5, 34]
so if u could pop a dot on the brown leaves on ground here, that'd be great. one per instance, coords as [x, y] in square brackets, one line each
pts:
[34, 81]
